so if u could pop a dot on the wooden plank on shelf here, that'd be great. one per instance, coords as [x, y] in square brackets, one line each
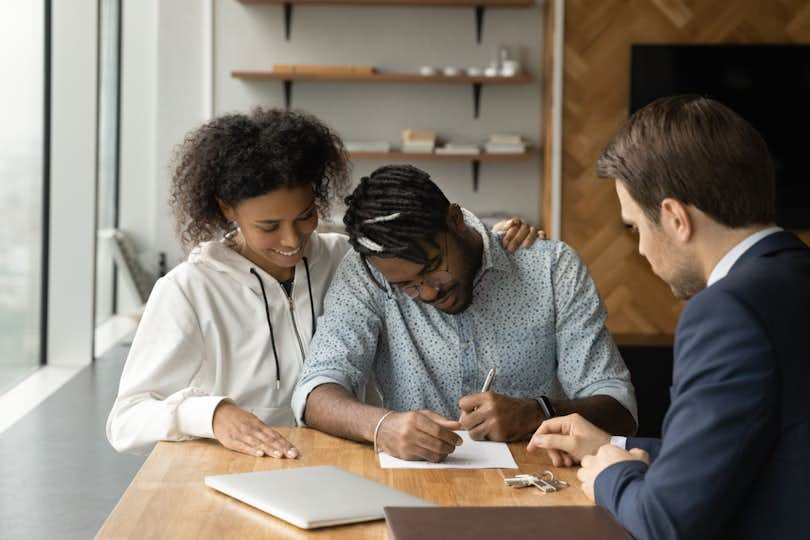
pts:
[320, 69]
[264, 75]
[442, 3]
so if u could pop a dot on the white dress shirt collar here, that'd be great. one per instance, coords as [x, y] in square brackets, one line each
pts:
[724, 265]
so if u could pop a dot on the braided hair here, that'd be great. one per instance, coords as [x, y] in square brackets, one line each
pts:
[393, 212]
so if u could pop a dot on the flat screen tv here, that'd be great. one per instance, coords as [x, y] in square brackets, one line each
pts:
[768, 85]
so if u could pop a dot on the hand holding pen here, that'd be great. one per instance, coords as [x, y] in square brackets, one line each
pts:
[488, 415]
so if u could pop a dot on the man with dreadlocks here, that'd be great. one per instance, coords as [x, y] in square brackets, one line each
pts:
[427, 304]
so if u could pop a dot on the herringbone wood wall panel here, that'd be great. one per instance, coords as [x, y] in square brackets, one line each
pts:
[598, 35]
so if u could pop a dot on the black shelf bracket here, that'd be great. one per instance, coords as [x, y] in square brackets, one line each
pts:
[476, 98]
[287, 20]
[476, 172]
[479, 22]
[287, 93]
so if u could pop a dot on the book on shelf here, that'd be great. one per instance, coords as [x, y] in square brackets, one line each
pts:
[491, 148]
[418, 148]
[505, 143]
[451, 149]
[418, 136]
[367, 146]
[505, 138]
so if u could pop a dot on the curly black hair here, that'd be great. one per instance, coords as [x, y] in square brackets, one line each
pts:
[238, 156]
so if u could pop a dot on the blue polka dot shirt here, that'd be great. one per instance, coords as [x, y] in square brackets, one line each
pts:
[536, 317]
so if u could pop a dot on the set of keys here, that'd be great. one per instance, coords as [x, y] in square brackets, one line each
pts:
[544, 482]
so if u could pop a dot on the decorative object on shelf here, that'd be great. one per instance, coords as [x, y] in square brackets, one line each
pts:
[474, 71]
[450, 71]
[507, 66]
[479, 6]
[491, 70]
[427, 71]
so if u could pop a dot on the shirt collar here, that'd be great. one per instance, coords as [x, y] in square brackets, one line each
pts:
[491, 256]
[724, 265]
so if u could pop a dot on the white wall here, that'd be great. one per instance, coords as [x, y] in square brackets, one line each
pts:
[167, 90]
[73, 182]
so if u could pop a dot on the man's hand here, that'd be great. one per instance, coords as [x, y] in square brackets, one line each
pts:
[568, 438]
[606, 456]
[242, 431]
[497, 417]
[418, 435]
[518, 233]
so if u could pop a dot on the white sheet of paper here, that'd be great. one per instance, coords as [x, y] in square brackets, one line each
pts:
[470, 455]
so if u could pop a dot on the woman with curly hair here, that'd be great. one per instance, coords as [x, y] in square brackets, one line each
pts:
[224, 335]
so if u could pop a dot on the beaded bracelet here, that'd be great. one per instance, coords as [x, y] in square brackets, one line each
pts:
[377, 449]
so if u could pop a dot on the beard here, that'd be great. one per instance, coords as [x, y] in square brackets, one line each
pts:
[687, 280]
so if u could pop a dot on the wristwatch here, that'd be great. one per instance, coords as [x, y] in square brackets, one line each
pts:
[546, 407]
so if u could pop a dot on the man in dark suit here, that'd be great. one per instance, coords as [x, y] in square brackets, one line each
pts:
[696, 184]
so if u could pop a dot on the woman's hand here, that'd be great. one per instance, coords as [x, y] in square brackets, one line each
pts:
[518, 233]
[242, 431]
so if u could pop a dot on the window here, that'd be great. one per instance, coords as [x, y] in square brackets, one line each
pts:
[23, 187]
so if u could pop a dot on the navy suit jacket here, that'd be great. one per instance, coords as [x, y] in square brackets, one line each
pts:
[734, 457]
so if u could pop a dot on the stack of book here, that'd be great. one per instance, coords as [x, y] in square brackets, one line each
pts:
[505, 143]
[367, 146]
[458, 149]
[418, 141]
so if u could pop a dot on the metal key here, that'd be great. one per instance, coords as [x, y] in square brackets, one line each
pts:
[545, 482]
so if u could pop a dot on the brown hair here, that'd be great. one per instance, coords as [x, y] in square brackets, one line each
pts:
[698, 151]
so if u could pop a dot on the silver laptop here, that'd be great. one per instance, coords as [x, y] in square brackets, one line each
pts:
[311, 497]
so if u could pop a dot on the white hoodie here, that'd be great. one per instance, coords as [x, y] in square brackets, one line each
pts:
[204, 337]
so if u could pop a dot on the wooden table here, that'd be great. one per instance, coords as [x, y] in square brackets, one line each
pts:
[168, 497]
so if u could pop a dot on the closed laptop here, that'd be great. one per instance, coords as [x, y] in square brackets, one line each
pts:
[311, 497]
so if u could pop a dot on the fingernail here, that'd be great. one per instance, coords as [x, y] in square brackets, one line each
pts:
[259, 453]
[292, 452]
[538, 440]
[276, 454]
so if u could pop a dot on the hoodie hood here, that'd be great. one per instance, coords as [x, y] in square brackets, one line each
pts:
[217, 256]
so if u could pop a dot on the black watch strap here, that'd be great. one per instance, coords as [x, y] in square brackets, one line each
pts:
[546, 407]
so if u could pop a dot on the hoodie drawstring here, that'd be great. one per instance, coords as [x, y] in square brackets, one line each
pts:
[311, 301]
[270, 324]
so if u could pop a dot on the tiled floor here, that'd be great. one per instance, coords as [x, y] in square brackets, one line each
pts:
[59, 478]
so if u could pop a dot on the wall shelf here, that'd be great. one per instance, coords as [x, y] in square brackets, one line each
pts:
[288, 78]
[474, 159]
[479, 6]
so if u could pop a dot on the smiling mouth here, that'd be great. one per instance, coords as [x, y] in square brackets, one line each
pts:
[445, 299]
[292, 253]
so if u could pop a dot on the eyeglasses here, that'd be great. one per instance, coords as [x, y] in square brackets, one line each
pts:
[435, 280]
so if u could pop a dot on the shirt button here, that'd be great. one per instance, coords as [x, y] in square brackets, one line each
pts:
[467, 389]
[465, 345]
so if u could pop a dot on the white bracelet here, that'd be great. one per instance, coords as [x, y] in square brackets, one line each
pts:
[377, 449]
